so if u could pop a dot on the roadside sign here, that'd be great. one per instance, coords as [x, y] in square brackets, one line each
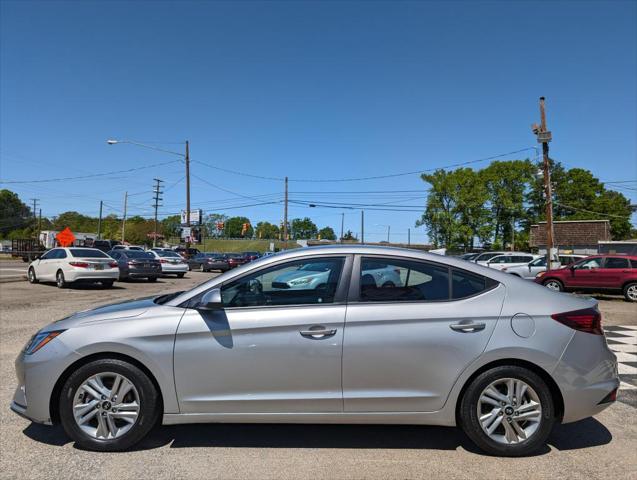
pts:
[65, 238]
[195, 217]
[186, 232]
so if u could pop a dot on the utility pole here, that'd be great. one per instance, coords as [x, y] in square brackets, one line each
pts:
[99, 223]
[285, 213]
[408, 236]
[342, 225]
[124, 218]
[388, 228]
[157, 191]
[362, 226]
[544, 137]
[35, 212]
[512, 234]
[40, 223]
[187, 158]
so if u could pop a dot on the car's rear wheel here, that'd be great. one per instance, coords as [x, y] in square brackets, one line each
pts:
[108, 405]
[152, 279]
[630, 292]
[59, 279]
[388, 284]
[507, 411]
[180, 275]
[554, 285]
[31, 276]
[107, 283]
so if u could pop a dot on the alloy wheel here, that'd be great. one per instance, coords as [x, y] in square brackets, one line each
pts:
[106, 406]
[631, 292]
[553, 285]
[509, 411]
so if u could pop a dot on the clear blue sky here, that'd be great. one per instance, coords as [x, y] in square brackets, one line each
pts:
[309, 90]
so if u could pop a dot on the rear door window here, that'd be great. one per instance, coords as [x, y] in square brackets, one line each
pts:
[613, 262]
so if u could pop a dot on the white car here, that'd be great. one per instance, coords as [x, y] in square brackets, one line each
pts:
[74, 265]
[129, 247]
[171, 262]
[511, 260]
[530, 270]
[484, 257]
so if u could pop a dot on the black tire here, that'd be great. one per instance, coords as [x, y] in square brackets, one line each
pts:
[630, 290]
[107, 283]
[149, 401]
[468, 413]
[59, 279]
[180, 275]
[31, 276]
[559, 286]
[152, 279]
[388, 285]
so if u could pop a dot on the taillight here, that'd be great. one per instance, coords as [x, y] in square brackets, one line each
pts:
[112, 264]
[588, 320]
[131, 262]
[163, 261]
[79, 264]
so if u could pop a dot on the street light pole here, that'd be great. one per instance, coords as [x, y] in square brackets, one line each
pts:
[124, 217]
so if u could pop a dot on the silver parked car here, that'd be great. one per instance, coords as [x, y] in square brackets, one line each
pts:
[453, 344]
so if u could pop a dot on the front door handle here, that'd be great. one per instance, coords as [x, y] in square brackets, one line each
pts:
[318, 332]
[467, 327]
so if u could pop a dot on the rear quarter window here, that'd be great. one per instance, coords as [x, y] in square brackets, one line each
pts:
[466, 284]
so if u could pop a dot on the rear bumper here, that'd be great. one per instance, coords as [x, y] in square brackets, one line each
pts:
[586, 375]
[178, 268]
[84, 275]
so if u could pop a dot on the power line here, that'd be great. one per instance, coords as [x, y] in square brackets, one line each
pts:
[82, 177]
[589, 211]
[357, 179]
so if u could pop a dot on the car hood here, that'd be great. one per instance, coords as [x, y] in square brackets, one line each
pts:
[286, 277]
[129, 309]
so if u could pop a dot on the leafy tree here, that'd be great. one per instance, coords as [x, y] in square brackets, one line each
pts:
[455, 211]
[14, 214]
[137, 230]
[267, 230]
[210, 223]
[171, 226]
[507, 183]
[234, 226]
[349, 236]
[303, 228]
[327, 233]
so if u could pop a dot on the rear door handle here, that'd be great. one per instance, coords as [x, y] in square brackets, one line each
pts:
[318, 332]
[467, 327]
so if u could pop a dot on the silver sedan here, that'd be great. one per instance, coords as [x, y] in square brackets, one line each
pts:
[451, 343]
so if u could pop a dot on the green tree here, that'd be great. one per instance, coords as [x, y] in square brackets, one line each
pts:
[507, 183]
[303, 228]
[171, 226]
[137, 230]
[455, 211]
[210, 224]
[267, 230]
[14, 214]
[234, 226]
[349, 236]
[327, 233]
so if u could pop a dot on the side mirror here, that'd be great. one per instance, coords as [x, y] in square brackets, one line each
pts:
[211, 300]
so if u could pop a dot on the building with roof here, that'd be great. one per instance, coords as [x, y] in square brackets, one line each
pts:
[572, 236]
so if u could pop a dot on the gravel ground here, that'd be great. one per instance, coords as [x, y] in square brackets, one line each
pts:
[601, 447]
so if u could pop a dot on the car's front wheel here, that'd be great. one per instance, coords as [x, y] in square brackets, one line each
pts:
[630, 292]
[180, 275]
[108, 405]
[31, 276]
[507, 411]
[554, 285]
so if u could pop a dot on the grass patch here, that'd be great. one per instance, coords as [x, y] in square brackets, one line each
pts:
[223, 245]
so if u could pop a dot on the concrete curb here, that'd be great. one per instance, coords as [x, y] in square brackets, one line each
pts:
[13, 278]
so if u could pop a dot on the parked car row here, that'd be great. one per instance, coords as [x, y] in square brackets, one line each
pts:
[596, 273]
[64, 265]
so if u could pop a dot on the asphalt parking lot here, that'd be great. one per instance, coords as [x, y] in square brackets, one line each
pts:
[601, 447]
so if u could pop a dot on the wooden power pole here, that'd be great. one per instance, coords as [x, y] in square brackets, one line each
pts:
[544, 137]
[124, 217]
[187, 160]
[285, 214]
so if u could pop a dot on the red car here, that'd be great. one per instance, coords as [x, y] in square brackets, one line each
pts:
[235, 259]
[600, 273]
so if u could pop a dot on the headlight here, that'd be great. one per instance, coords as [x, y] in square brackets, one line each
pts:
[540, 274]
[300, 281]
[39, 340]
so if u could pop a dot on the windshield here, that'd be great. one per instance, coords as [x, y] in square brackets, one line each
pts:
[87, 253]
[138, 254]
[318, 267]
[234, 255]
[540, 262]
[487, 256]
[168, 254]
